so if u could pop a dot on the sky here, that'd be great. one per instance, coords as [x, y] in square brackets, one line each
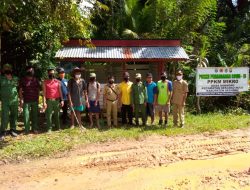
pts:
[86, 6]
[234, 2]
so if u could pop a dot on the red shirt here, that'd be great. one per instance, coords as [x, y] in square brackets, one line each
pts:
[52, 88]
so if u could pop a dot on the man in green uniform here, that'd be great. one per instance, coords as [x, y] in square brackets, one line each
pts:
[9, 99]
[139, 99]
[180, 90]
[52, 99]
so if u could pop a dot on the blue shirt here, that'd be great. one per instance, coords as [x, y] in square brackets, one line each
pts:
[151, 90]
[64, 84]
[170, 86]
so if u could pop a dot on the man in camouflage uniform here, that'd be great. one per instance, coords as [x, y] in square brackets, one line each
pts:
[139, 99]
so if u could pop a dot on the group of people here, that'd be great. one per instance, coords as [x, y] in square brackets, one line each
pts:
[140, 98]
[143, 98]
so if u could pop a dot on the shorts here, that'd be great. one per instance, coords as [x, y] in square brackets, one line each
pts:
[93, 108]
[79, 108]
[150, 110]
[164, 108]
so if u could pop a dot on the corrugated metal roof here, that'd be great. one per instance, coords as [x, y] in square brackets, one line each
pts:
[122, 53]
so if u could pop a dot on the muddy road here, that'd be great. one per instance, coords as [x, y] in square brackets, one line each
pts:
[205, 161]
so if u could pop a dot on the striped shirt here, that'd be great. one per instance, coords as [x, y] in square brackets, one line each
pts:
[30, 88]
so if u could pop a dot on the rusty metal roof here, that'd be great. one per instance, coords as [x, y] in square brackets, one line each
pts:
[174, 52]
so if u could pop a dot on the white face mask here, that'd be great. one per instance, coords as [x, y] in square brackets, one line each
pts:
[78, 76]
[179, 77]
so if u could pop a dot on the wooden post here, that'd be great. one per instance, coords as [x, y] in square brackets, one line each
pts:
[161, 68]
[124, 67]
[0, 50]
[174, 70]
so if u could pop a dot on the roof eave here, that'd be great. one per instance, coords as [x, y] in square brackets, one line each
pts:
[122, 43]
[121, 60]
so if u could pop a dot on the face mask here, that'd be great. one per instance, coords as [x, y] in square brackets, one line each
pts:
[30, 73]
[138, 80]
[77, 76]
[51, 76]
[179, 77]
[8, 72]
[126, 79]
[92, 79]
[163, 78]
[111, 81]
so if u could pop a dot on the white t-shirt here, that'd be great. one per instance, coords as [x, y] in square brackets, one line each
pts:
[92, 91]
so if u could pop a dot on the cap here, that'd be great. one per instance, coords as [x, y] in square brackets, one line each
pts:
[92, 75]
[50, 68]
[179, 72]
[60, 70]
[149, 75]
[7, 67]
[138, 75]
[163, 74]
[126, 74]
[76, 69]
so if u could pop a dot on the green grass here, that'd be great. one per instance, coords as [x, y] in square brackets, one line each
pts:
[35, 146]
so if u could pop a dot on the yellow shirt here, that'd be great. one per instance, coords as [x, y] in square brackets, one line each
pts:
[125, 90]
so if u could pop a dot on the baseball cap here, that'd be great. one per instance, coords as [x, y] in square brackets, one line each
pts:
[163, 74]
[126, 74]
[179, 72]
[138, 75]
[50, 68]
[92, 75]
[60, 70]
[149, 75]
[7, 67]
[76, 69]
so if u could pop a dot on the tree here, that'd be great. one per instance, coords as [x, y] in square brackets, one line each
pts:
[34, 30]
[236, 38]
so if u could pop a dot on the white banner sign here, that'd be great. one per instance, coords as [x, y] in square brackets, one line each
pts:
[221, 81]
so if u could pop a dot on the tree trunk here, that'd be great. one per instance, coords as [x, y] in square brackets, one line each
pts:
[0, 50]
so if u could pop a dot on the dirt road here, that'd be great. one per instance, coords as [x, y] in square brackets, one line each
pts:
[206, 161]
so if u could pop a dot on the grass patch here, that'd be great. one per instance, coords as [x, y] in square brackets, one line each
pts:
[35, 146]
